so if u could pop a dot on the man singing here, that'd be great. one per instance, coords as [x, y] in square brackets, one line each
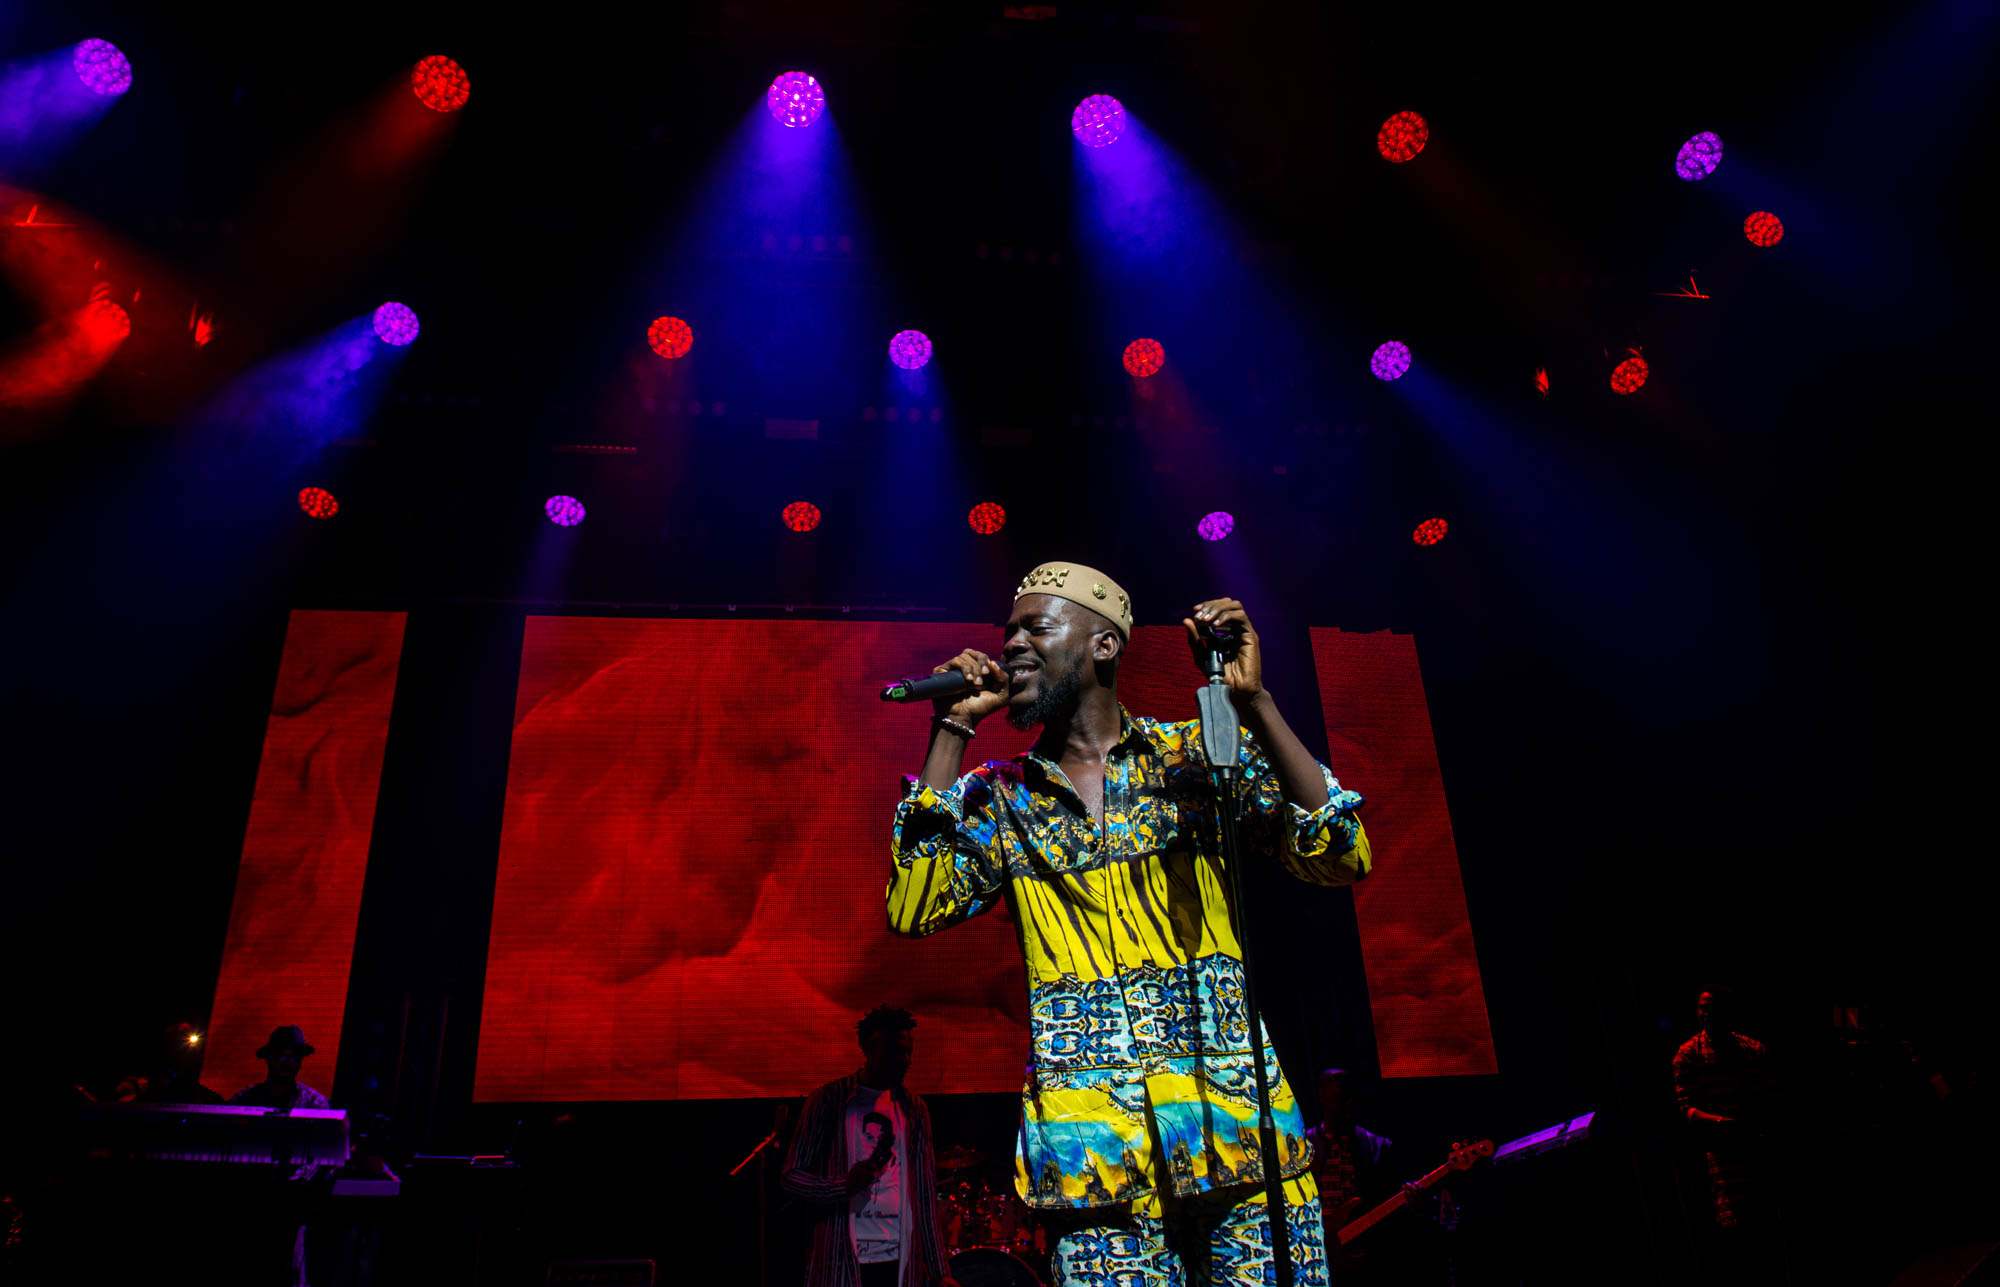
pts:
[1138, 1137]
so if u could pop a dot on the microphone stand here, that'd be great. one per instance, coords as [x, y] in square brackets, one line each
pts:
[1219, 738]
[762, 1156]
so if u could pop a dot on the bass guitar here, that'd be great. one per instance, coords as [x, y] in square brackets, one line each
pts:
[1345, 1225]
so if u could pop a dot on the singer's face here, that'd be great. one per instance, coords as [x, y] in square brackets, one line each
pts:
[1041, 644]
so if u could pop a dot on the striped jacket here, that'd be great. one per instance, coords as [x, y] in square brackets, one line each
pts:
[815, 1172]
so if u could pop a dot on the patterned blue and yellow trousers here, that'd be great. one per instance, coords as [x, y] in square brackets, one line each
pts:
[1219, 1238]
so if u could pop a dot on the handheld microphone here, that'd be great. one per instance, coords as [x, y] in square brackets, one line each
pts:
[952, 683]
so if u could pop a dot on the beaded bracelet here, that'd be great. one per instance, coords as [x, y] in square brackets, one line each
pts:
[962, 730]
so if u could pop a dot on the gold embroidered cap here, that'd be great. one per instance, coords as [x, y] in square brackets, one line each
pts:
[1083, 585]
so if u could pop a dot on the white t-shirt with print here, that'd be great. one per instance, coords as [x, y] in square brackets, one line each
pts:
[875, 1214]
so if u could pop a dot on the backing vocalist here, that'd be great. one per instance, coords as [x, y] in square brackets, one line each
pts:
[1138, 1139]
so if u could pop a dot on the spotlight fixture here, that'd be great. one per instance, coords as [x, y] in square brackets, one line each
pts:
[1698, 157]
[986, 518]
[1390, 361]
[670, 337]
[319, 503]
[1214, 526]
[441, 84]
[1629, 375]
[801, 516]
[1429, 532]
[396, 324]
[795, 99]
[1763, 229]
[107, 322]
[1098, 121]
[1144, 358]
[1402, 136]
[563, 511]
[102, 67]
[910, 349]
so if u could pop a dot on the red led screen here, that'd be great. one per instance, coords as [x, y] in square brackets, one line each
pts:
[1424, 989]
[693, 857]
[298, 890]
[689, 896]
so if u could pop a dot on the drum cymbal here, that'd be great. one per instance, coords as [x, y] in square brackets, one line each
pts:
[958, 1157]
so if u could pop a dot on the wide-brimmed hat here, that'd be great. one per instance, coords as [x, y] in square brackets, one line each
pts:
[288, 1036]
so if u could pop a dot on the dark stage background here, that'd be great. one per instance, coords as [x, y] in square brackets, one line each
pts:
[1700, 663]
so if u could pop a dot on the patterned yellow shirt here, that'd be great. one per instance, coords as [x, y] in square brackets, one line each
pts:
[1135, 977]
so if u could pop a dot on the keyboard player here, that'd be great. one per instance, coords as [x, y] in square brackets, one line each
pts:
[283, 1055]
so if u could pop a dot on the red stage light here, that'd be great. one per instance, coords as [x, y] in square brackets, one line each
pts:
[318, 502]
[987, 518]
[1429, 532]
[801, 516]
[670, 337]
[1628, 375]
[107, 322]
[1145, 357]
[441, 84]
[1402, 136]
[1763, 229]
[1542, 380]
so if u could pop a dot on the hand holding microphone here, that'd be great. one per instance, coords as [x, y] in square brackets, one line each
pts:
[863, 1174]
[1225, 644]
[965, 689]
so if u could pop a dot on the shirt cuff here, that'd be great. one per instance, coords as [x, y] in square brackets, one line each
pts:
[1333, 815]
[920, 796]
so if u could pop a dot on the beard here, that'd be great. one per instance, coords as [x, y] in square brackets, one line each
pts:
[1057, 699]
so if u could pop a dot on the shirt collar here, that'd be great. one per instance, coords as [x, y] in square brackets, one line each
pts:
[857, 1083]
[1133, 733]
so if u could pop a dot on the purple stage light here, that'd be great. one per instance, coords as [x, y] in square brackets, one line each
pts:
[102, 67]
[910, 349]
[1098, 121]
[795, 99]
[1390, 361]
[396, 324]
[1698, 157]
[318, 502]
[563, 511]
[1215, 526]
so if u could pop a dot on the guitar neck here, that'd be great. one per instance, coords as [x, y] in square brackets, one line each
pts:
[1389, 1206]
